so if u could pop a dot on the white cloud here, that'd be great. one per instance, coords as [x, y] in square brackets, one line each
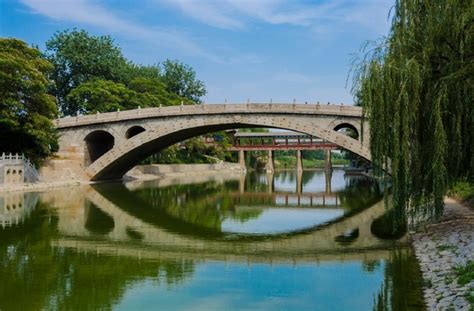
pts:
[235, 14]
[91, 14]
[211, 13]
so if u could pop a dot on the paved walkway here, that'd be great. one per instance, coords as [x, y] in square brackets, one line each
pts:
[441, 248]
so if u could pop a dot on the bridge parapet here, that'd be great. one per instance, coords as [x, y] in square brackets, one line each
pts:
[251, 108]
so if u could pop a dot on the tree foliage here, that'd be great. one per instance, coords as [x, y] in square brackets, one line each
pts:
[26, 109]
[180, 79]
[106, 96]
[416, 89]
[87, 67]
[78, 58]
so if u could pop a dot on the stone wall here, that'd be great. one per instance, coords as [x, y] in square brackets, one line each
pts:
[166, 169]
[59, 170]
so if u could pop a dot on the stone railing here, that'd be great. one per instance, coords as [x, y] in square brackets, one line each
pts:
[10, 158]
[182, 110]
[30, 174]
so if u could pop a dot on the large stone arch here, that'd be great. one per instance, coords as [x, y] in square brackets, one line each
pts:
[126, 154]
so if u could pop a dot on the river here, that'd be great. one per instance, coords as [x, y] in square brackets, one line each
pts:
[258, 241]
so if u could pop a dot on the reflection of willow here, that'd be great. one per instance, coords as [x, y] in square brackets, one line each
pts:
[359, 193]
[35, 276]
[402, 286]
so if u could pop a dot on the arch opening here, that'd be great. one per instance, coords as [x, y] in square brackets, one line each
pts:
[131, 155]
[348, 129]
[119, 168]
[133, 131]
[97, 144]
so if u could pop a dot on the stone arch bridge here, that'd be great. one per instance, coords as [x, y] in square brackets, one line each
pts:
[108, 145]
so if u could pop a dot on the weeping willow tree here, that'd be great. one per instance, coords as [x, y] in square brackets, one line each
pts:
[416, 90]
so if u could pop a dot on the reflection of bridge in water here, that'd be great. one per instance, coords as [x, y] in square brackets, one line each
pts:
[15, 207]
[133, 236]
[277, 199]
[299, 182]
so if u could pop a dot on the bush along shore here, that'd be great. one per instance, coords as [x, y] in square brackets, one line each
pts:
[445, 251]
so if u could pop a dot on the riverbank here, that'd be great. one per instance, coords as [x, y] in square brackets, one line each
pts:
[445, 251]
[157, 171]
[62, 176]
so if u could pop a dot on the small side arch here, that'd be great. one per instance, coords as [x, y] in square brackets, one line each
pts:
[133, 131]
[348, 129]
[97, 143]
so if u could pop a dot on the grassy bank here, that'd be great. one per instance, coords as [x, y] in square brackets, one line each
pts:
[290, 162]
[463, 191]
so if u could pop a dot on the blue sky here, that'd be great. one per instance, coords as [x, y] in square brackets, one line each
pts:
[256, 49]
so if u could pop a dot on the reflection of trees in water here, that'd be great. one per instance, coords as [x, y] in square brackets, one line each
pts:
[402, 285]
[286, 177]
[256, 182]
[307, 176]
[198, 209]
[359, 193]
[207, 204]
[35, 276]
[97, 221]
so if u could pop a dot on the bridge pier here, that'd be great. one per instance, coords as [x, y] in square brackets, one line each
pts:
[299, 162]
[270, 182]
[242, 160]
[328, 177]
[269, 167]
[242, 184]
[327, 160]
[299, 182]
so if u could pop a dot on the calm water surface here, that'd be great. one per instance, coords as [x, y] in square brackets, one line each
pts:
[254, 242]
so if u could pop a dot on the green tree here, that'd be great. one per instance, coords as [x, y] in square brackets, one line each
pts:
[78, 58]
[102, 96]
[141, 71]
[180, 79]
[154, 92]
[26, 109]
[416, 89]
[106, 96]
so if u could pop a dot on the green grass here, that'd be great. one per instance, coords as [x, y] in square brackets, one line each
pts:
[470, 297]
[465, 273]
[290, 162]
[463, 191]
[445, 247]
